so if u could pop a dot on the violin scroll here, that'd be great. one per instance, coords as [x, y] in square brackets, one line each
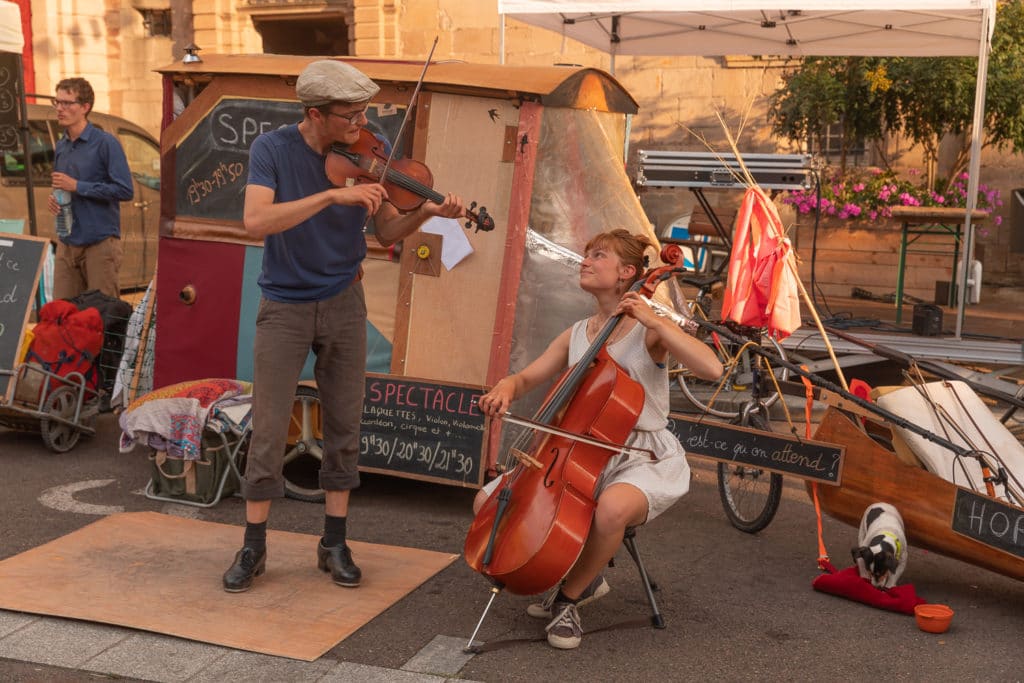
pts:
[482, 219]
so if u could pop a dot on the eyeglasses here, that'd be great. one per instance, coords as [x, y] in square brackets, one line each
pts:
[64, 104]
[351, 116]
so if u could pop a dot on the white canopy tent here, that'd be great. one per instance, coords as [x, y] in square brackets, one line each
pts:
[12, 93]
[877, 28]
[11, 39]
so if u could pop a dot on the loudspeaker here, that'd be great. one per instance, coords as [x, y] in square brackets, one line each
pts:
[927, 320]
[1017, 220]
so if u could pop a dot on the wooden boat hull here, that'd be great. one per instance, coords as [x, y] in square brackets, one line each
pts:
[872, 473]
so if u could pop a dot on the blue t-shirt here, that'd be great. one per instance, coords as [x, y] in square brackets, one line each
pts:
[320, 256]
[97, 161]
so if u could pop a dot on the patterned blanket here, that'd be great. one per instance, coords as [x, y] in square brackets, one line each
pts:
[172, 418]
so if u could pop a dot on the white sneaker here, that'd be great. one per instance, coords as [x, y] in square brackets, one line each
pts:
[542, 610]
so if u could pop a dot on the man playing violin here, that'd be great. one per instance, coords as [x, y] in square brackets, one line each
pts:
[312, 299]
[633, 488]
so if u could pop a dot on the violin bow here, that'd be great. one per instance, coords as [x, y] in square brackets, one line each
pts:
[405, 120]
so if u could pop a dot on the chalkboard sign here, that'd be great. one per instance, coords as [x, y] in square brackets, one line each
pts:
[992, 522]
[21, 261]
[213, 159]
[10, 102]
[803, 458]
[423, 430]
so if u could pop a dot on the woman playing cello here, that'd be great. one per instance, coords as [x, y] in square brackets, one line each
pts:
[633, 488]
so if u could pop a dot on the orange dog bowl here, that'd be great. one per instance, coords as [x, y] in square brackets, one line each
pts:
[933, 618]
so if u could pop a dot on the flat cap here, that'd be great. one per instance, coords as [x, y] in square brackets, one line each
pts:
[328, 80]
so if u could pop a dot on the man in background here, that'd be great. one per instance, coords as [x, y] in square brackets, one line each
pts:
[90, 180]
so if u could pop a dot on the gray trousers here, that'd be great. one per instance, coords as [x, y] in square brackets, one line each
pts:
[335, 329]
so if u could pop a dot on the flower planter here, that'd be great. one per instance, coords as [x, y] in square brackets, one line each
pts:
[859, 254]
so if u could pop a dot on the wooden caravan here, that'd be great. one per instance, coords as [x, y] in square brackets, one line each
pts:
[492, 134]
[940, 516]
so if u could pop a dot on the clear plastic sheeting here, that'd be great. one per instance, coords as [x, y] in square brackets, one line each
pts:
[580, 189]
[580, 186]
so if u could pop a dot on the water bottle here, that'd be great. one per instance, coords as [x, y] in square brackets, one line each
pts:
[63, 219]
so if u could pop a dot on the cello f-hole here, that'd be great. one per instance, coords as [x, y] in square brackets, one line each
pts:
[547, 475]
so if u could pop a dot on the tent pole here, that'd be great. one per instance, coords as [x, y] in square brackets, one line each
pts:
[26, 141]
[974, 168]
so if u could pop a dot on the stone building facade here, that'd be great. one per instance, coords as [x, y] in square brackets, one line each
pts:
[116, 44]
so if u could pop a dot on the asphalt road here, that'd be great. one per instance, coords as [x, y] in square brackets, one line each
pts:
[737, 606]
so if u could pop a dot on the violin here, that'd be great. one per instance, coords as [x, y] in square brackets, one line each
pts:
[408, 182]
[531, 530]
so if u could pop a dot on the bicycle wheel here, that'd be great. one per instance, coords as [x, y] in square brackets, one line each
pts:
[305, 448]
[725, 396]
[750, 495]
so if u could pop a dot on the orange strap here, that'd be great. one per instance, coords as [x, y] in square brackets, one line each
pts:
[809, 392]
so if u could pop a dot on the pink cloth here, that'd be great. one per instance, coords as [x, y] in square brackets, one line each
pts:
[762, 288]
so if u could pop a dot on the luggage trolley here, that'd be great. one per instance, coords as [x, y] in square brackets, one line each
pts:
[60, 408]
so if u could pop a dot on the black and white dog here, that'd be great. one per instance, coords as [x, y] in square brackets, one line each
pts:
[882, 554]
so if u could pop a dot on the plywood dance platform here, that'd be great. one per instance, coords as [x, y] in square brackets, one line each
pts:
[161, 573]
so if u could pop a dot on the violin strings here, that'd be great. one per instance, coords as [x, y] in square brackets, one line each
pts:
[414, 186]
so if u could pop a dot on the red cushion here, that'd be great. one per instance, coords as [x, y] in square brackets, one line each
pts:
[848, 584]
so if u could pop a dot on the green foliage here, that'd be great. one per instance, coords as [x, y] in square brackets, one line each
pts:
[826, 91]
[926, 99]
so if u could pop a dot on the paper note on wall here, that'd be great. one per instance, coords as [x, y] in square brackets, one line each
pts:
[455, 245]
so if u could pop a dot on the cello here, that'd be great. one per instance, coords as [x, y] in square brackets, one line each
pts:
[531, 530]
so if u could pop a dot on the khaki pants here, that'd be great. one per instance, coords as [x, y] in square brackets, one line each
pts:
[335, 330]
[79, 269]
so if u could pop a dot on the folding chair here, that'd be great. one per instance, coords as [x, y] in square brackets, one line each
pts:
[231, 426]
[629, 540]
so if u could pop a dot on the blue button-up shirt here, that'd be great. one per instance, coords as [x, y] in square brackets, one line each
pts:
[95, 159]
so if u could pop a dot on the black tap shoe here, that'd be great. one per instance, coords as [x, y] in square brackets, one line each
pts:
[246, 567]
[338, 561]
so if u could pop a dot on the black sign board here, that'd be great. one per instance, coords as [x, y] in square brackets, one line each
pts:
[213, 161]
[10, 102]
[990, 521]
[21, 261]
[803, 458]
[422, 430]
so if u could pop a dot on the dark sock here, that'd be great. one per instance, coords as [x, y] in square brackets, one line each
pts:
[256, 536]
[334, 531]
[562, 597]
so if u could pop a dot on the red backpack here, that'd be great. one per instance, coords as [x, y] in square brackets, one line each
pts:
[67, 340]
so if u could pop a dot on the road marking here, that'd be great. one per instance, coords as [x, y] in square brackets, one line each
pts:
[62, 498]
[444, 656]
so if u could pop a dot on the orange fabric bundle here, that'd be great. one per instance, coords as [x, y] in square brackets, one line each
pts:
[762, 289]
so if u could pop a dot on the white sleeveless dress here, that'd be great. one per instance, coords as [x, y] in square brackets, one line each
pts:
[665, 480]
[662, 481]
